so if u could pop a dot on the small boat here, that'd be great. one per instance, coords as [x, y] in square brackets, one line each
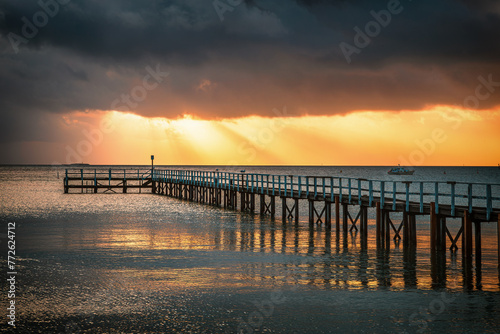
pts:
[79, 164]
[400, 171]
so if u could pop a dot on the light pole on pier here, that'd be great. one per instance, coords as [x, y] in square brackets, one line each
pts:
[152, 159]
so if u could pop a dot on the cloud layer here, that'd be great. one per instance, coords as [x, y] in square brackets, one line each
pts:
[261, 55]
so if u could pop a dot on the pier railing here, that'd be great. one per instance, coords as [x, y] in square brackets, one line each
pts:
[110, 173]
[108, 179]
[471, 196]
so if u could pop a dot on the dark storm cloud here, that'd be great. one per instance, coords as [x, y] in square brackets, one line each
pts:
[263, 54]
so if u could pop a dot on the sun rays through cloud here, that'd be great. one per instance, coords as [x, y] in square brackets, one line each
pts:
[438, 135]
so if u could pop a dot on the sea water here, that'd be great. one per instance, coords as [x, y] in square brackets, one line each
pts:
[143, 263]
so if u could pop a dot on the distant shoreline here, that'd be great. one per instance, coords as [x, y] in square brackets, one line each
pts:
[229, 166]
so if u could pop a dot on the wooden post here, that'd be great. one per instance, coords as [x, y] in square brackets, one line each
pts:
[273, 207]
[406, 232]
[364, 226]
[498, 239]
[377, 222]
[467, 235]
[311, 213]
[252, 202]
[262, 204]
[433, 221]
[387, 230]
[414, 230]
[467, 250]
[337, 215]
[382, 228]
[442, 235]
[328, 215]
[361, 225]
[438, 232]
[463, 237]
[366, 222]
[344, 217]
[66, 183]
[284, 211]
[296, 211]
[478, 243]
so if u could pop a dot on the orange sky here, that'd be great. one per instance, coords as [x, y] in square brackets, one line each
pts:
[202, 87]
[439, 135]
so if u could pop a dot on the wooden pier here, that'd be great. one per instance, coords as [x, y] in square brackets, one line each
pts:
[326, 197]
[107, 180]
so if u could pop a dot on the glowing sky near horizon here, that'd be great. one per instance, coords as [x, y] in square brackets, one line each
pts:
[437, 136]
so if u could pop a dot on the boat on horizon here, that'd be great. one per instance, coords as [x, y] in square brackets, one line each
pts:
[400, 171]
[79, 164]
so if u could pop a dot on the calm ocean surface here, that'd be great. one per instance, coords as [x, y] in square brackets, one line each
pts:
[141, 263]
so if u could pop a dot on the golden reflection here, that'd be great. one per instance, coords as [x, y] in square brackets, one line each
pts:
[268, 252]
